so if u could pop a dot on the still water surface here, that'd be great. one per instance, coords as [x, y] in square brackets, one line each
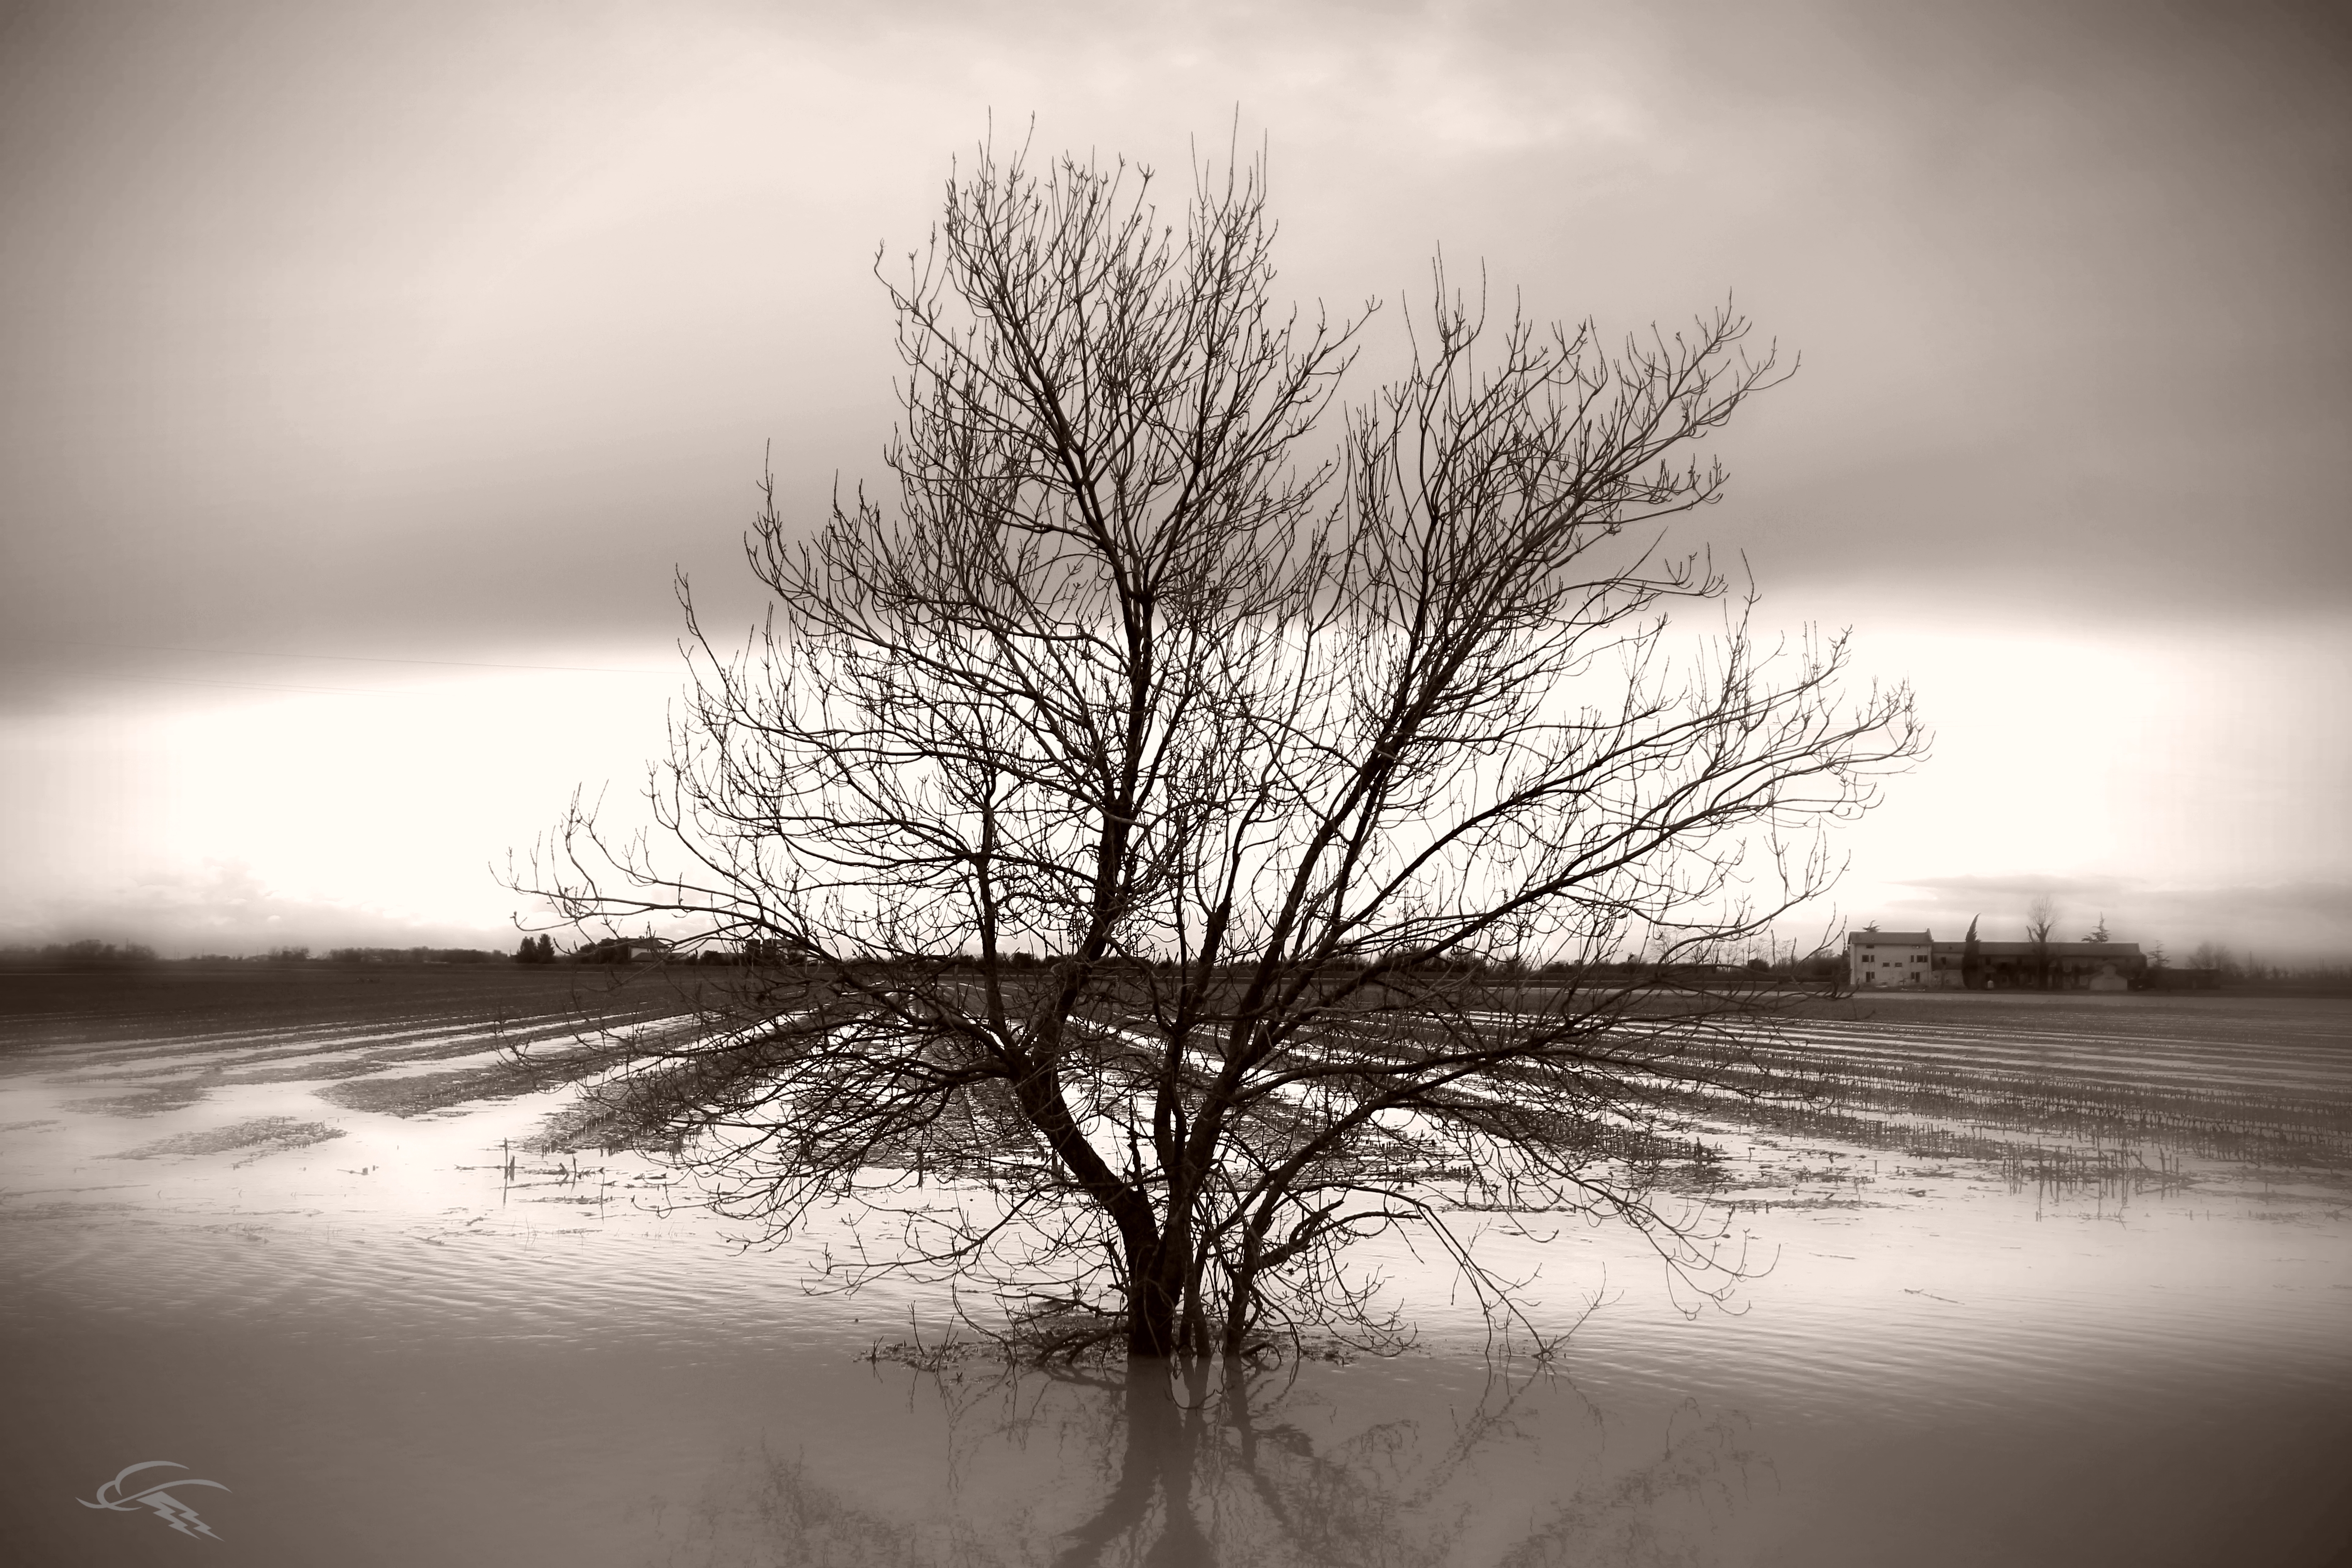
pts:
[391, 1347]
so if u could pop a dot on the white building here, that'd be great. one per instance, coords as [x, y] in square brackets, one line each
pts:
[1882, 958]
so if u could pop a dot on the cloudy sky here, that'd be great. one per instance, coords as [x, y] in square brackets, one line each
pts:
[365, 371]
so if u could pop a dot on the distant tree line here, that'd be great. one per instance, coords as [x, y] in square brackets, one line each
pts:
[89, 955]
[402, 955]
[2232, 969]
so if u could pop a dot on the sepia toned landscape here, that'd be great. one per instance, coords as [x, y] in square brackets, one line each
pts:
[1477, 784]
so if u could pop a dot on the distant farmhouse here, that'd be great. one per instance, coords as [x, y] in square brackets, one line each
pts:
[1915, 960]
[624, 950]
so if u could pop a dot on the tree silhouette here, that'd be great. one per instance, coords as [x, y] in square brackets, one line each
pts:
[2041, 920]
[1321, 781]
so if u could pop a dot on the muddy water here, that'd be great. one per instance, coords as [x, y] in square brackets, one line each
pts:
[393, 1338]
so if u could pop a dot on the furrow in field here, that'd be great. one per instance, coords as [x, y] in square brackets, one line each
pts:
[2078, 1057]
[2198, 1078]
[2316, 1049]
[395, 1042]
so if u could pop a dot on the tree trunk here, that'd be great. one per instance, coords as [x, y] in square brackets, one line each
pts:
[1152, 1309]
[1157, 1275]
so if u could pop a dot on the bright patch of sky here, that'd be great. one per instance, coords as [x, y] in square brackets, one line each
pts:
[372, 331]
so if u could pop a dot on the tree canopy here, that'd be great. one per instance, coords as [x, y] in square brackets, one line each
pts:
[1199, 820]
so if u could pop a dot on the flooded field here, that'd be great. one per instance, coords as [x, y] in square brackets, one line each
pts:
[2062, 1280]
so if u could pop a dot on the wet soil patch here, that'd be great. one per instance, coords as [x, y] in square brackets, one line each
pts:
[146, 1101]
[637, 1113]
[314, 1071]
[264, 1134]
[423, 1093]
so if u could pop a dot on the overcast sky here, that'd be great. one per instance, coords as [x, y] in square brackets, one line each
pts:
[364, 372]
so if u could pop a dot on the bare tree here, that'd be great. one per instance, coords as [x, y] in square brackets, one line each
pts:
[2041, 920]
[2213, 956]
[1171, 857]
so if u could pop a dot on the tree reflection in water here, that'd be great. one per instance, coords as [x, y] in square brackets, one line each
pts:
[1176, 1464]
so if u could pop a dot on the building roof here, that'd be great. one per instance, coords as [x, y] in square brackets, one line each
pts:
[2053, 950]
[2118, 950]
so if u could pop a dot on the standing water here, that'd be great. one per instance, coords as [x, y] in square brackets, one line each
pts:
[2066, 1281]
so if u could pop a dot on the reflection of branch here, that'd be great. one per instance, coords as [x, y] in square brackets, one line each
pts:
[1632, 1521]
[1162, 1449]
[1201, 1467]
[781, 1502]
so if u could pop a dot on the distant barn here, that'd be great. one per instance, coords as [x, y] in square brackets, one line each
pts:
[1915, 960]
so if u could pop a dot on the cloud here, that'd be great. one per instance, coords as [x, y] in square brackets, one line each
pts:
[226, 908]
[1988, 891]
[438, 335]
